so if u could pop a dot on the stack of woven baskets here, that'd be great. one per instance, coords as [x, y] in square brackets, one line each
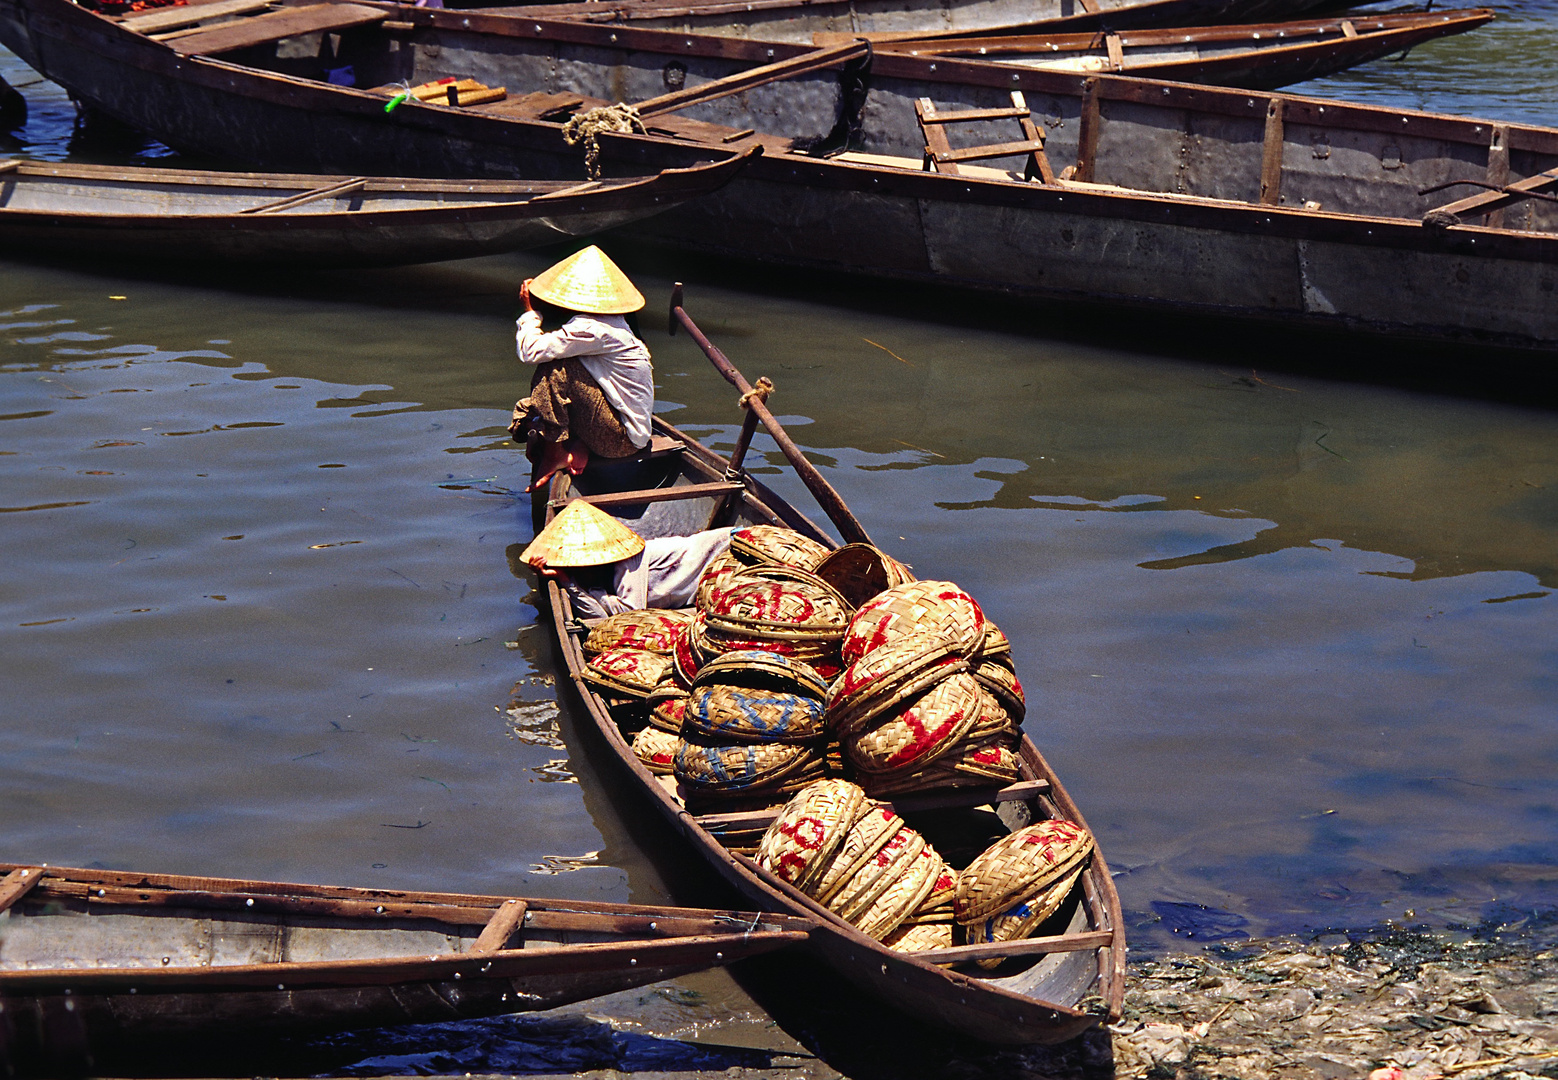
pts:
[929, 698]
[857, 858]
[752, 730]
[630, 656]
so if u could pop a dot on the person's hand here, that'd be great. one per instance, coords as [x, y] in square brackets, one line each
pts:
[549, 573]
[524, 293]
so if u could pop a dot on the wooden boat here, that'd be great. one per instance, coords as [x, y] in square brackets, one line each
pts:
[800, 20]
[1071, 981]
[1282, 208]
[95, 961]
[1259, 56]
[99, 211]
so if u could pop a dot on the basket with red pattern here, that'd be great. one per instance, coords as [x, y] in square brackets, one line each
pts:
[989, 762]
[888, 677]
[777, 545]
[909, 737]
[912, 885]
[995, 646]
[1019, 920]
[1002, 681]
[715, 576]
[657, 748]
[1020, 866]
[654, 631]
[802, 841]
[917, 607]
[779, 604]
[715, 770]
[668, 707]
[872, 828]
[627, 672]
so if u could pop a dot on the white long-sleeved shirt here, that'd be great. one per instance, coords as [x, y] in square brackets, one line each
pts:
[664, 575]
[609, 351]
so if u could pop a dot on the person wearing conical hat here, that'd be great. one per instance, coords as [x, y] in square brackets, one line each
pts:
[593, 391]
[608, 568]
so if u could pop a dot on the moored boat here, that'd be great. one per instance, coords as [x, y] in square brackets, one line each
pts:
[68, 209]
[95, 961]
[1110, 189]
[1042, 989]
[1259, 56]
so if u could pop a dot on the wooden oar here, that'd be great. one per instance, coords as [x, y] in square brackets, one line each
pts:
[758, 76]
[832, 505]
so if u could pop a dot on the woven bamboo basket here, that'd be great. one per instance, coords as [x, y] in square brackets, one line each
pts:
[821, 656]
[880, 872]
[913, 884]
[801, 843]
[1019, 866]
[993, 721]
[920, 937]
[860, 571]
[657, 750]
[780, 604]
[1002, 681]
[990, 762]
[668, 707]
[628, 672]
[868, 834]
[908, 738]
[778, 545]
[711, 584]
[765, 669]
[746, 769]
[937, 905]
[737, 714]
[685, 660]
[888, 677]
[995, 643]
[651, 630]
[930, 607]
[1021, 919]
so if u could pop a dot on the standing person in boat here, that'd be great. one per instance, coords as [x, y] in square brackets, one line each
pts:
[593, 391]
[608, 568]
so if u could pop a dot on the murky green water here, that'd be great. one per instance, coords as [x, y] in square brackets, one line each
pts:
[1288, 638]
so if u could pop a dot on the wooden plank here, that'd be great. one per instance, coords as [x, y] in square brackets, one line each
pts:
[746, 80]
[455, 914]
[1038, 161]
[963, 115]
[355, 184]
[17, 884]
[1348, 29]
[667, 494]
[288, 22]
[1116, 52]
[1087, 136]
[1498, 171]
[908, 804]
[1271, 153]
[936, 143]
[168, 18]
[500, 927]
[994, 150]
[10, 165]
[958, 954]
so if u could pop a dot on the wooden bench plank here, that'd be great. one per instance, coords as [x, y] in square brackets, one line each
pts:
[288, 22]
[665, 494]
[964, 115]
[982, 153]
[501, 927]
[958, 954]
[167, 19]
[17, 884]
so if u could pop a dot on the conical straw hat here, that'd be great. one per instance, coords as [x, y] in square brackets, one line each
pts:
[581, 535]
[588, 281]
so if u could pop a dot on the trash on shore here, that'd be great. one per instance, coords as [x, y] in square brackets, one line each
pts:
[1402, 1007]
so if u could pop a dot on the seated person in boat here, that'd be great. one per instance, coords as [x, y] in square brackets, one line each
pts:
[608, 568]
[594, 389]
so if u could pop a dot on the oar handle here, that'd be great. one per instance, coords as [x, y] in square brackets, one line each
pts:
[832, 505]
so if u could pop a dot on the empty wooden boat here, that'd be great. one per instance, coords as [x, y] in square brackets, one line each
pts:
[1260, 56]
[799, 20]
[98, 960]
[98, 211]
[1102, 188]
[1049, 988]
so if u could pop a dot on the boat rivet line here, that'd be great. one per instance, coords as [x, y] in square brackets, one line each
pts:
[281, 986]
[456, 974]
[249, 902]
[166, 960]
[652, 926]
[632, 961]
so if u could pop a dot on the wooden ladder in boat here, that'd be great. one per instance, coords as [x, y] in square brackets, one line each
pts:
[940, 157]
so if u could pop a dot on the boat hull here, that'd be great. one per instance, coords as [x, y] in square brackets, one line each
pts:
[1185, 210]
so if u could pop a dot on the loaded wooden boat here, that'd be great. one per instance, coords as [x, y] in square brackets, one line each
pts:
[1101, 188]
[96, 961]
[1258, 56]
[1050, 988]
[799, 20]
[97, 211]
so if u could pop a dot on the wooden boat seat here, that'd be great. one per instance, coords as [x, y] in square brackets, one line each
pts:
[908, 804]
[940, 157]
[152, 22]
[276, 25]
